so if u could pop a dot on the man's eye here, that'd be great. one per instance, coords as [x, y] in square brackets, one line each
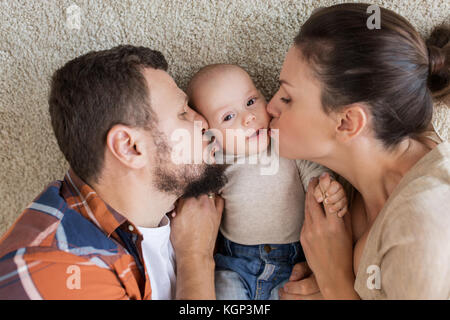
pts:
[251, 101]
[228, 117]
[285, 100]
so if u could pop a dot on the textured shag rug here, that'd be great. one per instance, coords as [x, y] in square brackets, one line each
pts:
[36, 38]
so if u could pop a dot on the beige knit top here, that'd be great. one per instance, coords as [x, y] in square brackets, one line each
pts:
[407, 253]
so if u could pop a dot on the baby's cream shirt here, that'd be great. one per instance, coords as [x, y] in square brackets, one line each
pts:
[266, 208]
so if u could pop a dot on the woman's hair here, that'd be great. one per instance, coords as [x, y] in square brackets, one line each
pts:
[392, 70]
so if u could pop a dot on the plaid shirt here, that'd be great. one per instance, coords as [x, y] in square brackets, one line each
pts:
[69, 244]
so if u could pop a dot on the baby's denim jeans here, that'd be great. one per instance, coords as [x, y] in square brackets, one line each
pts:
[253, 272]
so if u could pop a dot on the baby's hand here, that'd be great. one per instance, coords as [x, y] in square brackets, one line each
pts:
[332, 194]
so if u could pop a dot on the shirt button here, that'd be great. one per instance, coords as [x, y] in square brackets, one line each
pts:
[131, 228]
[267, 248]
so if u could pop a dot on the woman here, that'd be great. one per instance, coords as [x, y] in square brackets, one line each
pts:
[358, 101]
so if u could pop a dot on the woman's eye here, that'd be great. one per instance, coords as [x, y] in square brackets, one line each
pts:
[228, 117]
[251, 101]
[285, 100]
[182, 115]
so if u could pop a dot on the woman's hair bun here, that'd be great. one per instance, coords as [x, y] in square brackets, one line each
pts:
[438, 45]
[437, 59]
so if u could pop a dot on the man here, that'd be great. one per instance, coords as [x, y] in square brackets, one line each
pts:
[92, 235]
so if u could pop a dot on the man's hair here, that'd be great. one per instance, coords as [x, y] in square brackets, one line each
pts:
[92, 93]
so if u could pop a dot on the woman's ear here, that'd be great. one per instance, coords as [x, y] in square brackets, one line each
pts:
[127, 145]
[351, 121]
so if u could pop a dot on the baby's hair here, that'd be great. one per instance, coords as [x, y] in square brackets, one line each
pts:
[209, 70]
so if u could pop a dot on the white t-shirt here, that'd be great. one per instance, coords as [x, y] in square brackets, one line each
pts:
[159, 260]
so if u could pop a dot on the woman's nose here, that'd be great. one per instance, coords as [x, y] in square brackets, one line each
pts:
[272, 109]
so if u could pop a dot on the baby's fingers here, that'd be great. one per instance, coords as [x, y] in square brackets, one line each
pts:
[332, 199]
[333, 188]
[338, 206]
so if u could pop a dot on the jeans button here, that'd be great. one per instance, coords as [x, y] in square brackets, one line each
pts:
[267, 248]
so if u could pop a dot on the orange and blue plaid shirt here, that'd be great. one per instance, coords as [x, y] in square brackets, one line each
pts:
[69, 244]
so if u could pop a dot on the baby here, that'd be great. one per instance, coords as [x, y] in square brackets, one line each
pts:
[263, 214]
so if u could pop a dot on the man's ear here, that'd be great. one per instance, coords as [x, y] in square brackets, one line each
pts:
[128, 146]
[351, 121]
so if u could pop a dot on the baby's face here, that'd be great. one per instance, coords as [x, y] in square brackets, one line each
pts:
[231, 104]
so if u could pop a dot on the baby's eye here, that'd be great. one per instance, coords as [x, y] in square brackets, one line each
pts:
[228, 117]
[251, 101]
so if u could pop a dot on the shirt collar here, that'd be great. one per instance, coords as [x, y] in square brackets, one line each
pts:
[82, 198]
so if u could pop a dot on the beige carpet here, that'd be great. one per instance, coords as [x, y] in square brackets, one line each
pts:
[35, 40]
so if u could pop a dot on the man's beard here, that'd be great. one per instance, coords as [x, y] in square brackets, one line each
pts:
[212, 180]
[185, 180]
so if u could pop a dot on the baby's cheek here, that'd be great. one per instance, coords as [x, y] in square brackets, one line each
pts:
[235, 139]
[222, 140]
[232, 141]
[264, 114]
[219, 135]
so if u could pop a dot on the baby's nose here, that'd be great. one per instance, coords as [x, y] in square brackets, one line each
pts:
[249, 118]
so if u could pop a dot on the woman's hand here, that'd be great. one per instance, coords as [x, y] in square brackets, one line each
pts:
[327, 243]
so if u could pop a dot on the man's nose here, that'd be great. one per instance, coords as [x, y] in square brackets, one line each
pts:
[199, 117]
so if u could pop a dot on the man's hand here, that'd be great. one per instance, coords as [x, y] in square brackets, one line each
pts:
[194, 228]
[193, 235]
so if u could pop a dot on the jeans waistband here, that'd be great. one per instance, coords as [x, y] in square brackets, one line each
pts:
[288, 253]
